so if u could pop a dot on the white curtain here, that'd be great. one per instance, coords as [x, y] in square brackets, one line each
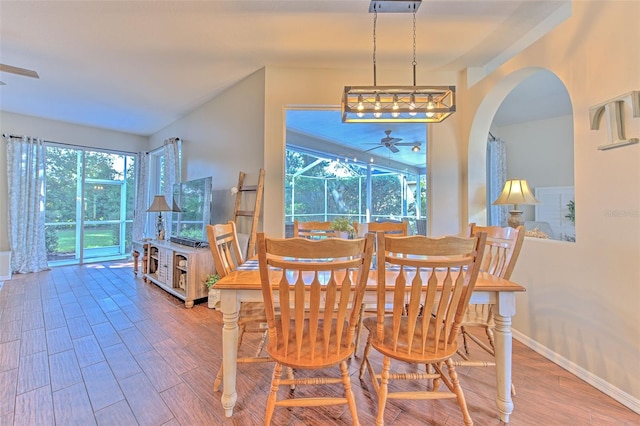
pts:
[25, 179]
[496, 177]
[142, 197]
[172, 174]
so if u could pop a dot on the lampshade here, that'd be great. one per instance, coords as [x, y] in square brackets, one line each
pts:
[516, 191]
[176, 208]
[159, 204]
[397, 104]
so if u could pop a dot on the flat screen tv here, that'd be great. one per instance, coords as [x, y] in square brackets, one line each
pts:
[194, 199]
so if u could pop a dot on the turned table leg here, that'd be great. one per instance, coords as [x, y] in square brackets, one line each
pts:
[230, 307]
[136, 255]
[503, 352]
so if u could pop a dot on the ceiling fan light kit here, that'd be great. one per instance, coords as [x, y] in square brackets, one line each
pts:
[397, 104]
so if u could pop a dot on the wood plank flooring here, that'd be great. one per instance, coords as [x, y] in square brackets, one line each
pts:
[93, 344]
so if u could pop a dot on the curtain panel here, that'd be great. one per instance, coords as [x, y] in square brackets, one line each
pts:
[172, 173]
[26, 198]
[139, 229]
[496, 177]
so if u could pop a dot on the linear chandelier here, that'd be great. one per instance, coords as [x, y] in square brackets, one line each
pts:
[397, 104]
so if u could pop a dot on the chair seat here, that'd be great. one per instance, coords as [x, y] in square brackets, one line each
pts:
[311, 355]
[399, 350]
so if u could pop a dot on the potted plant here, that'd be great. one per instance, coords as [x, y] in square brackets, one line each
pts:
[214, 295]
[343, 227]
[572, 212]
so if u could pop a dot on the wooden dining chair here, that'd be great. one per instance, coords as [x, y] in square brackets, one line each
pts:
[318, 286]
[227, 256]
[500, 256]
[416, 273]
[389, 228]
[313, 230]
[397, 229]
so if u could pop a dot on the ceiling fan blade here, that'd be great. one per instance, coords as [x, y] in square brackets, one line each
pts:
[375, 147]
[2, 83]
[407, 144]
[393, 148]
[19, 71]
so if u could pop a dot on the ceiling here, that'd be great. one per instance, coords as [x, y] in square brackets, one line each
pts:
[137, 66]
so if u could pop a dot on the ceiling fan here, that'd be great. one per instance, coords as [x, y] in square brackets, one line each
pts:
[392, 143]
[17, 70]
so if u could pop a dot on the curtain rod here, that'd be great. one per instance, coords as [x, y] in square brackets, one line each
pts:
[74, 146]
[165, 143]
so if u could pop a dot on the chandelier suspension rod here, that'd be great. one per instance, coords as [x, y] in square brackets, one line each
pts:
[414, 63]
[375, 19]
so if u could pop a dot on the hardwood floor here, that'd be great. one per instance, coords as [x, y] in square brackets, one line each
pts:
[97, 345]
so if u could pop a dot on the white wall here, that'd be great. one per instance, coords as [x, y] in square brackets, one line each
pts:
[55, 131]
[582, 303]
[540, 151]
[222, 138]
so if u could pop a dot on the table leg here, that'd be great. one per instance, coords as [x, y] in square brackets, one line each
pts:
[145, 265]
[135, 255]
[503, 346]
[229, 306]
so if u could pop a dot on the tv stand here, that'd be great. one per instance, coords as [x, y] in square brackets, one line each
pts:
[178, 269]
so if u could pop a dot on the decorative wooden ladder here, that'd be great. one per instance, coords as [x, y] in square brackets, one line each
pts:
[253, 214]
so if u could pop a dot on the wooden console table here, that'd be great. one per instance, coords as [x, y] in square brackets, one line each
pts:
[180, 270]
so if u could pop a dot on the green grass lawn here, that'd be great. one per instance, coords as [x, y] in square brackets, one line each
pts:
[93, 238]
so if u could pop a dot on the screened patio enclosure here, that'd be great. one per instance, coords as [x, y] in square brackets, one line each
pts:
[321, 187]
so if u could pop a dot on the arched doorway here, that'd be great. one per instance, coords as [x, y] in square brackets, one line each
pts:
[530, 111]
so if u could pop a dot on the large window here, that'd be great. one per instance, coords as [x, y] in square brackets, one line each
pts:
[364, 172]
[89, 204]
[321, 189]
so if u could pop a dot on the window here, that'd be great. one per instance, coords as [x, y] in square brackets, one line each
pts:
[344, 170]
[89, 204]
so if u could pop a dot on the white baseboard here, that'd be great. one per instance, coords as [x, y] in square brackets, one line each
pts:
[595, 381]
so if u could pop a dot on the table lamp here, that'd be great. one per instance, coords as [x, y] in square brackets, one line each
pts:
[159, 205]
[516, 191]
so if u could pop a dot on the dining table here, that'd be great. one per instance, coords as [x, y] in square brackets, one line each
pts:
[244, 285]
